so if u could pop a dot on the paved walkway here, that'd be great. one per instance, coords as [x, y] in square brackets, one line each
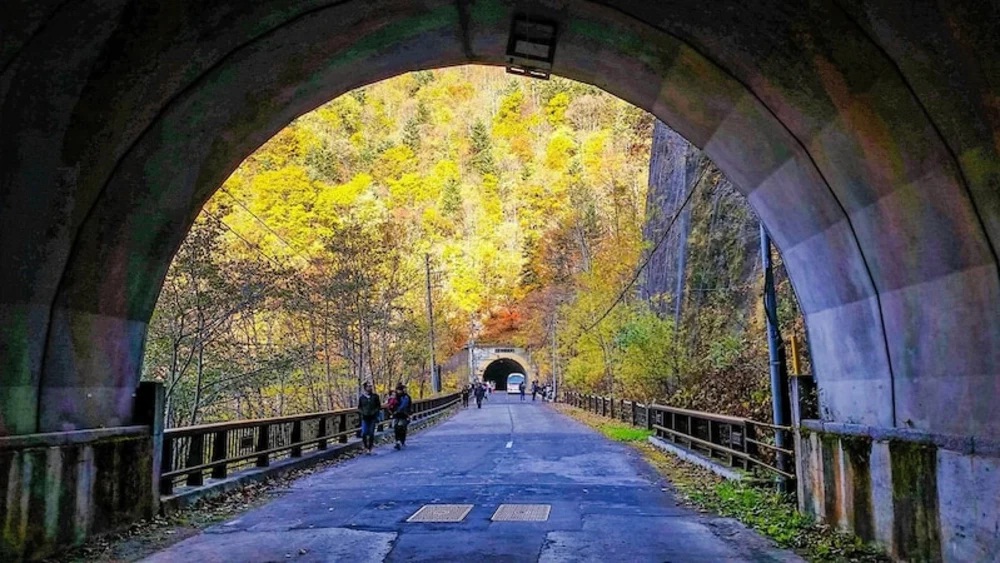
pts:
[606, 503]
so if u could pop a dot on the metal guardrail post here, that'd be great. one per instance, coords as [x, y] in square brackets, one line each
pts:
[714, 432]
[220, 444]
[342, 429]
[321, 432]
[263, 444]
[195, 457]
[296, 450]
[750, 443]
[167, 483]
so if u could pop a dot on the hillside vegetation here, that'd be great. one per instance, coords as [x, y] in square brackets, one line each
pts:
[305, 273]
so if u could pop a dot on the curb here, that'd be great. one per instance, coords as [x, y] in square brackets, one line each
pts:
[720, 470]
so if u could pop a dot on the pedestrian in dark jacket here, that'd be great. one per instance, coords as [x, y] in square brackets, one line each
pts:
[480, 393]
[369, 407]
[402, 415]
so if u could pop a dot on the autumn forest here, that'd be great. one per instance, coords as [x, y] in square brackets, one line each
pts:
[528, 201]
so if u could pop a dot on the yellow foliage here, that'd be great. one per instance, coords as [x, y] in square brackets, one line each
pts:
[555, 110]
[489, 195]
[394, 163]
[345, 194]
[560, 150]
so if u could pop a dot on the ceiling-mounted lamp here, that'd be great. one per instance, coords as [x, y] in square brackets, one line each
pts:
[531, 47]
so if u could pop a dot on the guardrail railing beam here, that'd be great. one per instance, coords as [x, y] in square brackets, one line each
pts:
[237, 445]
[733, 440]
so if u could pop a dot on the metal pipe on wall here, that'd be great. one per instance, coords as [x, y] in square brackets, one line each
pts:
[776, 354]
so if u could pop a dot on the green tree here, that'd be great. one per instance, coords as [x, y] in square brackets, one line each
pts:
[481, 156]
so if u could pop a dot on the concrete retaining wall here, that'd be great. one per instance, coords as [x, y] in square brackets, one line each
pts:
[58, 488]
[922, 496]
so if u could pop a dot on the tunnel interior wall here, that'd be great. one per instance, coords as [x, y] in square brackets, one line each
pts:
[61, 488]
[862, 132]
[922, 497]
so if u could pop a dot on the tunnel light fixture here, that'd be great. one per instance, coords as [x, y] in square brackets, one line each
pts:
[531, 47]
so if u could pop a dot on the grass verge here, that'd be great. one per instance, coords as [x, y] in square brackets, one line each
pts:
[769, 512]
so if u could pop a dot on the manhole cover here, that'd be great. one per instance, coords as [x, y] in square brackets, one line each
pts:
[522, 513]
[441, 513]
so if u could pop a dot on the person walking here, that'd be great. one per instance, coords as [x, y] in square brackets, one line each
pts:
[480, 393]
[521, 389]
[369, 408]
[401, 415]
[534, 389]
[465, 395]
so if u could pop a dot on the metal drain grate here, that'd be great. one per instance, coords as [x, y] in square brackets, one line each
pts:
[441, 513]
[522, 513]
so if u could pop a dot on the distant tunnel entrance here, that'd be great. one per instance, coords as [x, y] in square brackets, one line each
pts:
[498, 370]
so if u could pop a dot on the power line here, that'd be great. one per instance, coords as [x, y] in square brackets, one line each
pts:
[649, 256]
[252, 245]
[266, 226]
[741, 287]
[260, 251]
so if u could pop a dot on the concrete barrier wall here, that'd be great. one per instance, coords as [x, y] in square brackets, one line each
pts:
[922, 496]
[61, 487]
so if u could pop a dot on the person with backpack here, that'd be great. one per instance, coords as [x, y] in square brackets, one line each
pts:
[401, 415]
[465, 395]
[369, 408]
[520, 388]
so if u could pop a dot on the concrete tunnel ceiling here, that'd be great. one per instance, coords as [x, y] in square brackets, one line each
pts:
[865, 135]
[498, 371]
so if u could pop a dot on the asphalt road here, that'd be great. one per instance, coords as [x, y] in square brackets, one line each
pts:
[606, 503]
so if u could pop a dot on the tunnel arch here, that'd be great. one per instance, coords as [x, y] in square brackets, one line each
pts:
[497, 371]
[867, 150]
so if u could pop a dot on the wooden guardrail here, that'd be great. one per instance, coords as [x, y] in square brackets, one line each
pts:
[734, 441]
[192, 453]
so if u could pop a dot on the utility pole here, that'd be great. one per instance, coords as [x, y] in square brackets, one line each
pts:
[471, 346]
[554, 356]
[435, 376]
[779, 372]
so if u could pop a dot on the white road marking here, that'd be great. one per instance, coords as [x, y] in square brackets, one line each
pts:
[510, 444]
